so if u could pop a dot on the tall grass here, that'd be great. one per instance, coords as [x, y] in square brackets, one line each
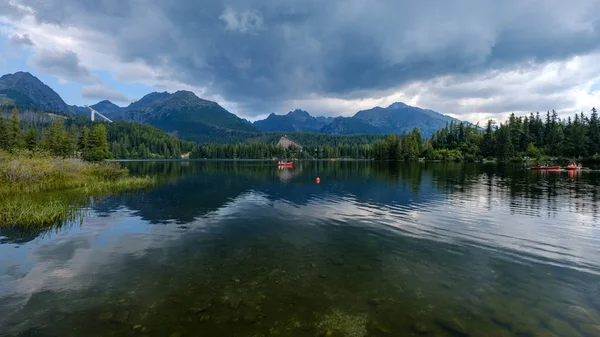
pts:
[37, 190]
[26, 213]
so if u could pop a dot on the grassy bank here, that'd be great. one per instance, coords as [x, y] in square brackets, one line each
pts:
[38, 190]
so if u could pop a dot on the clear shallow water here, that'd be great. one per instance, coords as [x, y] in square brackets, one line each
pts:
[245, 249]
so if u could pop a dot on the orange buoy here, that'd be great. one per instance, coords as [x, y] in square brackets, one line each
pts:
[318, 180]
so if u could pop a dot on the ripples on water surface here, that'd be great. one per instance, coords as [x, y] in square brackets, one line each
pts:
[245, 249]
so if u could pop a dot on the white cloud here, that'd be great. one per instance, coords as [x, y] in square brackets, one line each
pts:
[102, 92]
[243, 22]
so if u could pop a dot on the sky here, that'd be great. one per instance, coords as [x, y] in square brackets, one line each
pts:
[473, 60]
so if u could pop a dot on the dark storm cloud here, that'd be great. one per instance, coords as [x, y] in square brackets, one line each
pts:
[21, 40]
[261, 52]
[63, 64]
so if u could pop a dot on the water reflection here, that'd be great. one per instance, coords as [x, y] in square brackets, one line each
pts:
[237, 249]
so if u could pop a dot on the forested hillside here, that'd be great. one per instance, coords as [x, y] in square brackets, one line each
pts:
[66, 137]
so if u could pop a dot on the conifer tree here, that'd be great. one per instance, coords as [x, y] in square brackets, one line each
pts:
[83, 144]
[31, 139]
[594, 134]
[98, 145]
[3, 134]
[15, 135]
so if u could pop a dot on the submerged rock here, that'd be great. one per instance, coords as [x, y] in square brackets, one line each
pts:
[374, 301]
[378, 326]
[338, 323]
[235, 303]
[138, 327]
[420, 328]
[121, 316]
[545, 333]
[562, 328]
[198, 310]
[447, 285]
[204, 318]
[364, 267]
[220, 300]
[503, 319]
[250, 318]
[590, 329]
[581, 315]
[452, 325]
[337, 262]
[105, 316]
[502, 333]
[332, 333]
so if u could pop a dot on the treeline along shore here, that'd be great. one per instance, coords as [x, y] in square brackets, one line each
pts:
[538, 137]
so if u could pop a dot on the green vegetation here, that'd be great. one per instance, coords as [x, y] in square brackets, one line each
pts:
[38, 189]
[127, 140]
[140, 141]
[45, 179]
[529, 136]
[93, 141]
[518, 138]
[89, 144]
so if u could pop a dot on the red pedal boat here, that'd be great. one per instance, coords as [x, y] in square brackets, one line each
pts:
[284, 164]
[573, 167]
[545, 168]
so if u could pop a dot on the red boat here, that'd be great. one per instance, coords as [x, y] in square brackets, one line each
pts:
[284, 164]
[545, 168]
[573, 167]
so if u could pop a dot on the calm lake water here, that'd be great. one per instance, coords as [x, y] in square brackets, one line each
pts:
[247, 249]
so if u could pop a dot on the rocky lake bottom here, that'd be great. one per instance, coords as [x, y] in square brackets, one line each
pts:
[370, 251]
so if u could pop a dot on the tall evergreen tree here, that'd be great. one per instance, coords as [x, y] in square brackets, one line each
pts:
[98, 144]
[594, 133]
[56, 139]
[31, 139]
[3, 133]
[505, 149]
[15, 135]
[83, 144]
[488, 144]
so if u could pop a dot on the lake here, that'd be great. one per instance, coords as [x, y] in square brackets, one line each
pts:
[374, 249]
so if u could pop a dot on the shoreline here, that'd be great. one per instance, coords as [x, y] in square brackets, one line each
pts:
[38, 190]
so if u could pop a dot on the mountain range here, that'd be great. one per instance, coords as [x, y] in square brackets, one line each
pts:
[294, 121]
[185, 115]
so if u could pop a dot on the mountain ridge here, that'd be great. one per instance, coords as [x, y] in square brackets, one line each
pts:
[25, 90]
[184, 114]
[294, 121]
